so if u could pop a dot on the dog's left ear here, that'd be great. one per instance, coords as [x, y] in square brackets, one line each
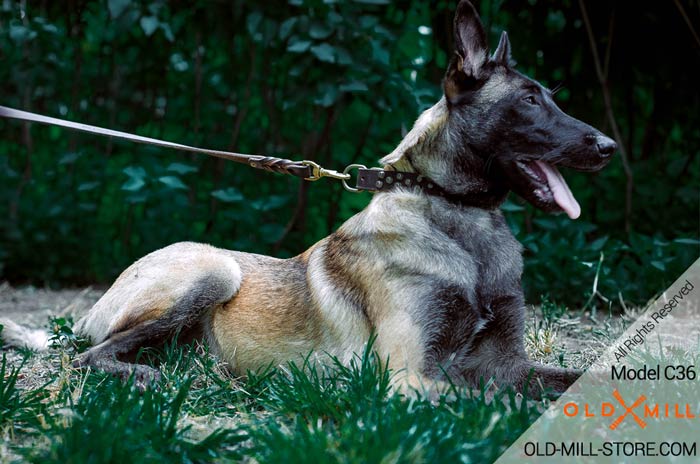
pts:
[471, 52]
[502, 53]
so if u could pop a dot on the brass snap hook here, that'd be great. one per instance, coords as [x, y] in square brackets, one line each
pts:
[317, 172]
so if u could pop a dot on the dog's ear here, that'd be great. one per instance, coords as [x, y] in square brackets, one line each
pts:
[426, 127]
[502, 53]
[471, 51]
[470, 39]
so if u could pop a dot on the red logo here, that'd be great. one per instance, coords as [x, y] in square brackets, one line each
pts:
[628, 411]
[641, 411]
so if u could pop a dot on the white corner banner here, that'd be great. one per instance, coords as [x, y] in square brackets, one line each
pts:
[639, 402]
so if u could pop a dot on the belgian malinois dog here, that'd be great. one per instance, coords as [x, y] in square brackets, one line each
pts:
[435, 277]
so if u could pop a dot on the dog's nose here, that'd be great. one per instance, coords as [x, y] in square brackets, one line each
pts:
[606, 146]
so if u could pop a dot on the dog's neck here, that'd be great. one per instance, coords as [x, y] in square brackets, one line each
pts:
[434, 148]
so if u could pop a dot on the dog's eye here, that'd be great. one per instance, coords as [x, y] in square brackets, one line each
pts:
[531, 100]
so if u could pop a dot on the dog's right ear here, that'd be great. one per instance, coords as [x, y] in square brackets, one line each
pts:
[471, 52]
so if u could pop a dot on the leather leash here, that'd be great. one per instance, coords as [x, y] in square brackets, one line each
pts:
[368, 179]
[305, 169]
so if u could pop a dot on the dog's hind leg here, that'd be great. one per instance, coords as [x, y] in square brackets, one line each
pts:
[166, 293]
[106, 356]
[116, 353]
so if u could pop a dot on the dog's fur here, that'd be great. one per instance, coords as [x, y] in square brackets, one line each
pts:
[437, 280]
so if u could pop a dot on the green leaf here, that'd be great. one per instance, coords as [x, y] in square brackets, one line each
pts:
[533, 247]
[167, 32]
[85, 186]
[286, 27]
[329, 97]
[21, 34]
[69, 158]
[133, 184]
[379, 53]
[135, 172]
[269, 203]
[367, 21]
[659, 265]
[149, 24]
[354, 86]
[511, 207]
[687, 241]
[117, 7]
[181, 168]
[334, 18]
[548, 224]
[179, 63]
[374, 2]
[342, 56]
[172, 182]
[299, 46]
[228, 195]
[659, 243]
[253, 22]
[319, 30]
[596, 245]
[324, 52]
[49, 28]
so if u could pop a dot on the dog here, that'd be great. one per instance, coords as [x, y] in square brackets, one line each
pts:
[435, 278]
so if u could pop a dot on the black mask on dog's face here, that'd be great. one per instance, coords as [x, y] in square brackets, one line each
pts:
[511, 121]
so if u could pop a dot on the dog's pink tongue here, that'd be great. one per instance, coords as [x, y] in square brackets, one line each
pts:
[562, 193]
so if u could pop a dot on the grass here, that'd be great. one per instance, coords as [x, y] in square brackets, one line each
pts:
[197, 413]
[16, 405]
[115, 423]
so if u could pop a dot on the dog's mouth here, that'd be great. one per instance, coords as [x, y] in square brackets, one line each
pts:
[549, 190]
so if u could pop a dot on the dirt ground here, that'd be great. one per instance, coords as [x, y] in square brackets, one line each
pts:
[32, 306]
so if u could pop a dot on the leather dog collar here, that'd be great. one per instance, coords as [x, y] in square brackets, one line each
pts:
[380, 180]
[384, 180]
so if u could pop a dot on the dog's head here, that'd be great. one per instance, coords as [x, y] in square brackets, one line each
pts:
[497, 130]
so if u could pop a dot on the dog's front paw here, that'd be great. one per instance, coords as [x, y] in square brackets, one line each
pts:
[551, 381]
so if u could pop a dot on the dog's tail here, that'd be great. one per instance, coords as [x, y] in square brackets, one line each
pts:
[20, 336]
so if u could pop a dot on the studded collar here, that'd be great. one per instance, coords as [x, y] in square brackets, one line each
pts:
[382, 180]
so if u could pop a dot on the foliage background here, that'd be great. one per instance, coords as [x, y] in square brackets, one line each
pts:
[336, 82]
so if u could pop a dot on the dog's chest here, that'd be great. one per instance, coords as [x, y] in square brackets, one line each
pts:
[484, 240]
[491, 276]
[408, 235]
[420, 250]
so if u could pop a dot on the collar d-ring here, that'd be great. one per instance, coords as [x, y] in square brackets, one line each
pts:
[346, 171]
